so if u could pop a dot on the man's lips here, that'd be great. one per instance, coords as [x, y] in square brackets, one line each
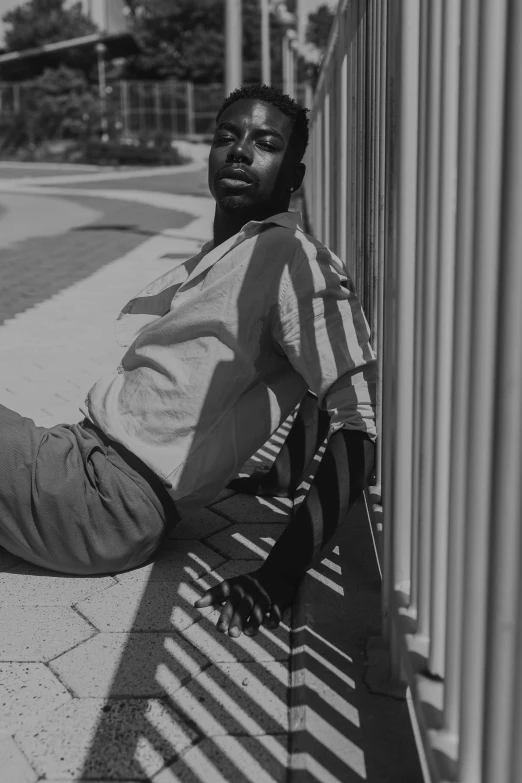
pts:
[234, 178]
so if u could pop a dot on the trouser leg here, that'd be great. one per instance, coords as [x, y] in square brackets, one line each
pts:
[69, 504]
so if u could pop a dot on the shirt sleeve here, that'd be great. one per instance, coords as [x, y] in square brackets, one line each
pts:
[323, 331]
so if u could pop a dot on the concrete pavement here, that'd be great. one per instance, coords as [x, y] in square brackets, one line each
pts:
[119, 677]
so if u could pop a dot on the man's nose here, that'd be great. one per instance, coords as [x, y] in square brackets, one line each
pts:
[240, 151]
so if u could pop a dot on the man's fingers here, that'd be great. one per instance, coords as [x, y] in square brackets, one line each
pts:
[216, 595]
[227, 613]
[274, 618]
[256, 618]
[225, 617]
[241, 615]
[245, 606]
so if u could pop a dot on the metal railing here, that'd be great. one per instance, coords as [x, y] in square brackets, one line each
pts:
[415, 179]
[135, 109]
[132, 109]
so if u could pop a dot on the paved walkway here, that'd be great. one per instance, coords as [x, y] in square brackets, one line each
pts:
[119, 677]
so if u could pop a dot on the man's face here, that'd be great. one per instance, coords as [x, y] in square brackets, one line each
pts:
[251, 167]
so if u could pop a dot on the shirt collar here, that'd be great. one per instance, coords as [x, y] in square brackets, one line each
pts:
[291, 220]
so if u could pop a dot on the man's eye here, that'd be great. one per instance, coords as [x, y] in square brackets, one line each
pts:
[223, 138]
[266, 145]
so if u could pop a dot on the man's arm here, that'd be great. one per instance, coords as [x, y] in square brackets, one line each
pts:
[345, 470]
[322, 330]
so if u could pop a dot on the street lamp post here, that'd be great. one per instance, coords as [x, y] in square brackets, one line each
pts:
[289, 62]
[288, 44]
[102, 90]
[233, 45]
[265, 42]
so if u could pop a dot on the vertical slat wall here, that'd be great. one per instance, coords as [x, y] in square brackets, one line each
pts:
[415, 180]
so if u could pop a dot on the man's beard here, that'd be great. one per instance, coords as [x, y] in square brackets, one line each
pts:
[234, 206]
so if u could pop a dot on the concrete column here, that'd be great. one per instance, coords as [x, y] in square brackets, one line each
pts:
[233, 45]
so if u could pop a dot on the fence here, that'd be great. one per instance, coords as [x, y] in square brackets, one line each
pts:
[172, 108]
[134, 109]
[416, 166]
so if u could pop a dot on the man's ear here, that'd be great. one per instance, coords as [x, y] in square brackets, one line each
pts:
[298, 176]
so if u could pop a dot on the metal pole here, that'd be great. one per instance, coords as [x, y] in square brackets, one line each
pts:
[124, 104]
[191, 125]
[233, 45]
[462, 342]
[353, 153]
[157, 107]
[284, 63]
[141, 112]
[285, 46]
[342, 98]
[405, 289]
[387, 375]
[444, 341]
[309, 95]
[358, 181]
[173, 110]
[327, 171]
[503, 756]
[419, 308]
[265, 42]
[483, 367]
[381, 236]
[317, 163]
[16, 98]
[102, 90]
[370, 167]
[300, 19]
[289, 63]
[429, 255]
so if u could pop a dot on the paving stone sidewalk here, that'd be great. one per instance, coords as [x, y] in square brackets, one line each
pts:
[119, 677]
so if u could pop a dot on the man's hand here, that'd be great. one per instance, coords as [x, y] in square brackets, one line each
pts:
[249, 601]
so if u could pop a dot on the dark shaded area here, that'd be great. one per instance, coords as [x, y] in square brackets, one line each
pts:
[116, 153]
[121, 227]
[331, 634]
[36, 269]
[191, 183]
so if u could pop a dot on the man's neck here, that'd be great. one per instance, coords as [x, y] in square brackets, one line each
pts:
[226, 225]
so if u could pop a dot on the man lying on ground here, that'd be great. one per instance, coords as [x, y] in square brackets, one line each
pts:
[220, 351]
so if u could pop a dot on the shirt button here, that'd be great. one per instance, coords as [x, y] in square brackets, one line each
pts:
[120, 368]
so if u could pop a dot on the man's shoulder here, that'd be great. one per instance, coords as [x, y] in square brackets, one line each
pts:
[316, 254]
[285, 238]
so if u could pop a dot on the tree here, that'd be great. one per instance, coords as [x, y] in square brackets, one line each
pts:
[62, 105]
[59, 105]
[182, 40]
[319, 26]
[185, 41]
[39, 22]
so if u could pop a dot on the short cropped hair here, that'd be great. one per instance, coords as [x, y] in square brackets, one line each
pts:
[286, 104]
